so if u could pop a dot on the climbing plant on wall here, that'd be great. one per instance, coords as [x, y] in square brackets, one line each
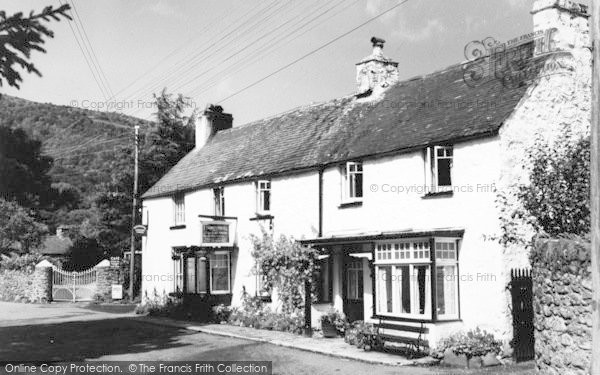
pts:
[285, 265]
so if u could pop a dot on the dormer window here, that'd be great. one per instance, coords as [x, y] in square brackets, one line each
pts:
[179, 209]
[263, 196]
[438, 172]
[219, 201]
[352, 182]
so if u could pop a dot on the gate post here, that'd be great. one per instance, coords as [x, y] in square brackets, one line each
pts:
[42, 282]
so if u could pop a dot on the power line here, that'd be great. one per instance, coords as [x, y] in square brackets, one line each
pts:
[93, 56]
[100, 86]
[270, 46]
[313, 51]
[217, 19]
[200, 56]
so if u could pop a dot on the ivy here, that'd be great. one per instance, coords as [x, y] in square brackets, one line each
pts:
[285, 265]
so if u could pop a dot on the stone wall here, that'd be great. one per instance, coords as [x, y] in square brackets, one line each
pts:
[562, 294]
[107, 275]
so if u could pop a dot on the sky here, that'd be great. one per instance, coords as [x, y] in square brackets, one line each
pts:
[226, 51]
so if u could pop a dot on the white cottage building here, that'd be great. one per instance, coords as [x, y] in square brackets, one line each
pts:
[396, 185]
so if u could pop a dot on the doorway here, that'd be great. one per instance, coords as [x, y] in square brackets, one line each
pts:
[353, 291]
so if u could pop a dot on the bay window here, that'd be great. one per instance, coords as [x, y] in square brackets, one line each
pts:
[404, 271]
[446, 282]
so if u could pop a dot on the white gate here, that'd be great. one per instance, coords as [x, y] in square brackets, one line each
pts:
[73, 286]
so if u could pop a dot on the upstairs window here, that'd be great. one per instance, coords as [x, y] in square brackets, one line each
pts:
[263, 196]
[179, 209]
[439, 168]
[219, 201]
[352, 182]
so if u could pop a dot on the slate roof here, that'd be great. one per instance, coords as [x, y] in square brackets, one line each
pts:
[436, 108]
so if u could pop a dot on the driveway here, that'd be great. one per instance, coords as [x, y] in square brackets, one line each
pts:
[41, 333]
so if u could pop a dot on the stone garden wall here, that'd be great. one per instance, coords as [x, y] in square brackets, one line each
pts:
[562, 293]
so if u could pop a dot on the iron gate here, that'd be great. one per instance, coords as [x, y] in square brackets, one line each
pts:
[521, 290]
[73, 286]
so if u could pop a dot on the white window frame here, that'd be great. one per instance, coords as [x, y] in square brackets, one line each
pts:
[355, 267]
[178, 285]
[431, 167]
[210, 278]
[391, 256]
[441, 262]
[263, 187]
[348, 178]
[178, 209]
[219, 201]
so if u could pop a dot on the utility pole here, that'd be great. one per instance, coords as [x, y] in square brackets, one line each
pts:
[595, 187]
[133, 216]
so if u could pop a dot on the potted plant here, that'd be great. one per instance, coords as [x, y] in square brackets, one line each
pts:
[328, 323]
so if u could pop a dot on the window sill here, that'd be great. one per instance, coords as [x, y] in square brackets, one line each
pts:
[350, 204]
[262, 217]
[175, 227]
[438, 194]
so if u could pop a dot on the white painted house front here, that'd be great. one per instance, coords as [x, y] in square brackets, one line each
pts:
[397, 185]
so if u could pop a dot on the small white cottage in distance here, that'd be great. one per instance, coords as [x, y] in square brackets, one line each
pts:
[396, 185]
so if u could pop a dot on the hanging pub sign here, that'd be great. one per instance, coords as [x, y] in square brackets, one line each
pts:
[140, 230]
[216, 233]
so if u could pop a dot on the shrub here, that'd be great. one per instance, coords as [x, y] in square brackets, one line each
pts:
[222, 313]
[335, 318]
[558, 196]
[22, 262]
[160, 305]
[255, 314]
[15, 286]
[472, 343]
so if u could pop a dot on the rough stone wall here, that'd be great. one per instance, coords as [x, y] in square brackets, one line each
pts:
[41, 290]
[558, 103]
[106, 277]
[562, 295]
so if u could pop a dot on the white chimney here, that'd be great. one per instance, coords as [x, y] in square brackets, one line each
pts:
[211, 121]
[375, 72]
[564, 24]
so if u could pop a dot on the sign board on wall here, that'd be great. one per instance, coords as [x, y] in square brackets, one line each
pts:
[117, 291]
[216, 233]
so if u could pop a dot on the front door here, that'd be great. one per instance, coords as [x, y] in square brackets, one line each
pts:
[353, 289]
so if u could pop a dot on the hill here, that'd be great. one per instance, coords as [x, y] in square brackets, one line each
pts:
[88, 147]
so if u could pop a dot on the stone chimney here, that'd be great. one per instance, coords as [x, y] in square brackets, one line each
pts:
[210, 122]
[563, 24]
[375, 72]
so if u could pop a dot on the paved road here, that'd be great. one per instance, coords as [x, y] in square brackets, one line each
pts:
[68, 337]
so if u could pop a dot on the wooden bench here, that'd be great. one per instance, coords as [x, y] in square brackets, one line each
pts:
[413, 343]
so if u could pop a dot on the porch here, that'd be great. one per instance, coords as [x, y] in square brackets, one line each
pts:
[405, 283]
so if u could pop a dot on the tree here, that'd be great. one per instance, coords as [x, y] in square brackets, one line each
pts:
[19, 231]
[23, 169]
[160, 150]
[19, 36]
[172, 139]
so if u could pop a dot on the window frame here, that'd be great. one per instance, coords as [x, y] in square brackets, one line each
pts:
[414, 257]
[349, 180]
[178, 201]
[263, 187]
[179, 274]
[432, 167]
[219, 201]
[210, 273]
[446, 262]
[423, 254]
